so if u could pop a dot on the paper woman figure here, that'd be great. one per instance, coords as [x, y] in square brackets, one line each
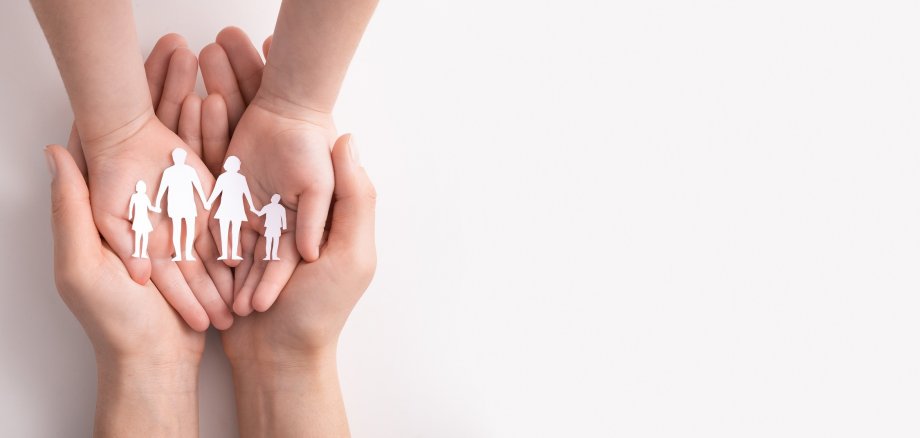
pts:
[137, 213]
[231, 186]
[275, 221]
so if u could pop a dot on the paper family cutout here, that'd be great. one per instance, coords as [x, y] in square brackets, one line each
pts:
[180, 183]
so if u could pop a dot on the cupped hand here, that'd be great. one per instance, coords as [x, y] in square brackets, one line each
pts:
[125, 321]
[284, 149]
[314, 305]
[199, 290]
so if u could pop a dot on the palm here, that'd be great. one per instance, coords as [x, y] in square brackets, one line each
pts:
[142, 157]
[138, 321]
[289, 157]
[308, 315]
[282, 155]
[113, 174]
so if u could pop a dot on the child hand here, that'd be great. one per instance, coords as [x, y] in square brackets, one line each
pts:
[315, 304]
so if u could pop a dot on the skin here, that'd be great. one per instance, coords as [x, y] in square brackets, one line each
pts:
[147, 357]
[284, 359]
[282, 128]
[127, 135]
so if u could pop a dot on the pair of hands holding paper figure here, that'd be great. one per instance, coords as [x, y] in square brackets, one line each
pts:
[285, 149]
[150, 357]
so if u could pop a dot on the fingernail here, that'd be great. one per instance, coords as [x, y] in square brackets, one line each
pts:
[353, 150]
[52, 168]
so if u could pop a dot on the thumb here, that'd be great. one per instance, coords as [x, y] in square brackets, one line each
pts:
[352, 227]
[76, 239]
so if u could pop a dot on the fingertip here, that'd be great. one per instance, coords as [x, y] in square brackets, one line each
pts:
[215, 104]
[266, 45]
[261, 304]
[240, 308]
[307, 246]
[224, 322]
[139, 271]
[172, 39]
[199, 324]
[210, 54]
[230, 33]
[184, 57]
[196, 318]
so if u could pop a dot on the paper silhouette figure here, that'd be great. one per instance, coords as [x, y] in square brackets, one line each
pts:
[140, 220]
[275, 221]
[180, 182]
[231, 186]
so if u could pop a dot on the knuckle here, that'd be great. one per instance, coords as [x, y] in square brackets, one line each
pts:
[317, 185]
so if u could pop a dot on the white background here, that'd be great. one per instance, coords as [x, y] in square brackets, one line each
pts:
[596, 219]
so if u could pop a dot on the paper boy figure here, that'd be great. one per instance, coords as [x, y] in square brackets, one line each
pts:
[275, 221]
[140, 221]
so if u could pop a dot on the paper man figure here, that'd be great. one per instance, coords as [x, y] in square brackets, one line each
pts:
[137, 211]
[275, 221]
[231, 186]
[182, 182]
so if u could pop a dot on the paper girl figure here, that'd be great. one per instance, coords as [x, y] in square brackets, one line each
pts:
[231, 186]
[137, 213]
[275, 221]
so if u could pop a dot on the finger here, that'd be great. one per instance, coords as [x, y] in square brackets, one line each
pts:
[201, 285]
[312, 210]
[355, 198]
[190, 123]
[219, 79]
[75, 147]
[220, 274]
[116, 231]
[157, 64]
[180, 82]
[267, 44]
[215, 132]
[242, 300]
[169, 280]
[244, 59]
[276, 274]
[75, 237]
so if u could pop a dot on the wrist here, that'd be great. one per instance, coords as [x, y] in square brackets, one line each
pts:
[270, 366]
[149, 374]
[290, 396]
[280, 95]
[98, 144]
[146, 397]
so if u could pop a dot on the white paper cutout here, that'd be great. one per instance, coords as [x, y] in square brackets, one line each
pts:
[231, 186]
[275, 221]
[140, 220]
[181, 181]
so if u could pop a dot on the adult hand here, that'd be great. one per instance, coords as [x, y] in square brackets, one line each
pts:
[284, 358]
[199, 290]
[147, 357]
[284, 149]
